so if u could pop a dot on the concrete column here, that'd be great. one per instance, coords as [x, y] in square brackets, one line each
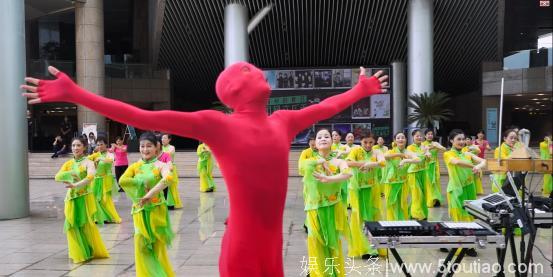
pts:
[14, 175]
[399, 97]
[89, 38]
[236, 34]
[420, 47]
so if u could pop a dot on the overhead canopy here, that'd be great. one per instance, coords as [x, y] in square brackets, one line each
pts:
[320, 33]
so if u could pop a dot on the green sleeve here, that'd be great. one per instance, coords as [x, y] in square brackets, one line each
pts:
[103, 168]
[132, 184]
[64, 174]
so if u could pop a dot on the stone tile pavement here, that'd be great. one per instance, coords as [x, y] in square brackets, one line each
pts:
[36, 245]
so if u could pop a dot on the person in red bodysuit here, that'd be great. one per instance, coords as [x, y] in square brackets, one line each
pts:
[257, 178]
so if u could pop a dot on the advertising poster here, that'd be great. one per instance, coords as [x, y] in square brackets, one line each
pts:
[380, 106]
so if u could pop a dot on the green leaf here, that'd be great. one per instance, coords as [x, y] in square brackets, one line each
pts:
[427, 108]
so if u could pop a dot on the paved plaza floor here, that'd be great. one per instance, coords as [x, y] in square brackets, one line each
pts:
[36, 245]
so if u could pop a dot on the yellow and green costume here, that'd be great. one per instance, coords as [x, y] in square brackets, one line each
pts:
[461, 185]
[382, 148]
[326, 219]
[104, 189]
[380, 170]
[477, 176]
[335, 147]
[546, 155]
[173, 197]
[500, 177]
[364, 198]
[433, 186]
[305, 154]
[152, 227]
[417, 180]
[345, 186]
[395, 180]
[83, 238]
[205, 168]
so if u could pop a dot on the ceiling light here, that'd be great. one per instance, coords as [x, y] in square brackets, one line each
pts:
[518, 95]
[535, 99]
[541, 94]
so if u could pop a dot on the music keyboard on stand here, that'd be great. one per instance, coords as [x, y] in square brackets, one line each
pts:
[509, 214]
[424, 234]
[541, 218]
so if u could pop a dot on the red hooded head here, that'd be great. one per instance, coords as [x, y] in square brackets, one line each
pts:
[243, 87]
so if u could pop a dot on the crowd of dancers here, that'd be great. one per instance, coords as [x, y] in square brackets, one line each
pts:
[150, 183]
[406, 178]
[376, 183]
[344, 185]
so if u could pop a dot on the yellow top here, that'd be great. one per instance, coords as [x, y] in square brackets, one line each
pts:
[305, 154]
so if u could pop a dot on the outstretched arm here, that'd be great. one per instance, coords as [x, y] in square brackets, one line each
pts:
[187, 124]
[301, 119]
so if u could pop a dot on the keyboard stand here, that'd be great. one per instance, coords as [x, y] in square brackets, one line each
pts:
[444, 267]
[400, 261]
[449, 257]
[509, 241]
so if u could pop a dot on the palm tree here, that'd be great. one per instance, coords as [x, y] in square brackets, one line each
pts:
[428, 108]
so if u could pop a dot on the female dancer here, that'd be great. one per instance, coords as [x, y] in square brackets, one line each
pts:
[104, 183]
[326, 217]
[345, 149]
[350, 139]
[380, 145]
[83, 239]
[144, 182]
[510, 138]
[164, 157]
[379, 171]
[121, 160]
[545, 154]
[433, 188]
[364, 194]
[343, 152]
[306, 154]
[462, 167]
[173, 198]
[338, 151]
[336, 141]
[474, 149]
[417, 178]
[394, 178]
[205, 168]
